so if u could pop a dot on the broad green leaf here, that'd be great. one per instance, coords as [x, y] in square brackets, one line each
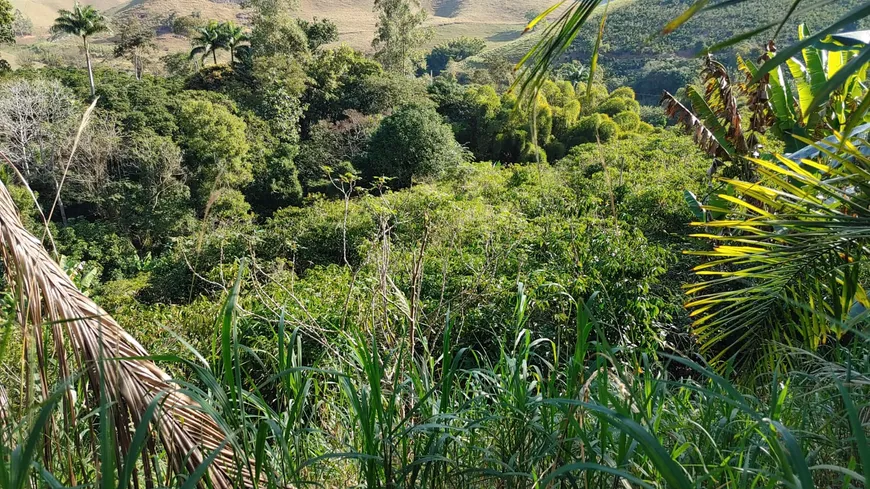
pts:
[781, 100]
[858, 12]
[699, 105]
[801, 81]
[813, 62]
[694, 205]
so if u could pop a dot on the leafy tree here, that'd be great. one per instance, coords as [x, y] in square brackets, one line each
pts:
[215, 145]
[22, 25]
[186, 25]
[476, 120]
[280, 83]
[615, 105]
[453, 50]
[413, 142]
[333, 73]
[207, 41]
[398, 33]
[274, 29]
[84, 22]
[8, 16]
[378, 94]
[152, 200]
[135, 40]
[137, 104]
[591, 129]
[178, 64]
[334, 145]
[276, 180]
[319, 32]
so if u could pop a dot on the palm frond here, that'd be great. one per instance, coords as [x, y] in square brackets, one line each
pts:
[710, 142]
[132, 383]
[556, 39]
[82, 21]
[784, 265]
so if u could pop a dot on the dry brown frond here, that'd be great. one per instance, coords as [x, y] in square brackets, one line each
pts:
[187, 433]
[703, 137]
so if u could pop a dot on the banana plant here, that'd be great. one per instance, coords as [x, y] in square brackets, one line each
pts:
[793, 100]
[714, 120]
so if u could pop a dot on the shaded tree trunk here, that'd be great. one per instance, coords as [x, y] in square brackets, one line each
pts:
[90, 68]
[137, 64]
[214, 55]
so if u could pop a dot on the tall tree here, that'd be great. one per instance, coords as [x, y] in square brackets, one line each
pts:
[7, 21]
[207, 41]
[399, 33]
[274, 29]
[319, 32]
[136, 39]
[7, 29]
[82, 21]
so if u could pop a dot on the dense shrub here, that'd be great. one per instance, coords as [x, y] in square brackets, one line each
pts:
[566, 117]
[623, 92]
[215, 146]
[613, 106]
[592, 128]
[413, 142]
[627, 121]
[99, 245]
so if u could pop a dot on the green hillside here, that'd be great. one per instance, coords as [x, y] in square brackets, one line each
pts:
[634, 53]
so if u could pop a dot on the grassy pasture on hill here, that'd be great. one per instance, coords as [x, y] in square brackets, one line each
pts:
[355, 18]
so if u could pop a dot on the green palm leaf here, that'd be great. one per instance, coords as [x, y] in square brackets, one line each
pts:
[784, 264]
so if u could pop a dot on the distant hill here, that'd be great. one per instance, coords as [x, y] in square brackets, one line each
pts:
[494, 20]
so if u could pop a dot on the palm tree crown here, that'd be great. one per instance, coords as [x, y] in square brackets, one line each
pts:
[214, 36]
[207, 41]
[82, 21]
[230, 37]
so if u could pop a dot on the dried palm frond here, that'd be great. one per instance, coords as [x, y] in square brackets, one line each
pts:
[191, 437]
[719, 94]
[703, 136]
[757, 92]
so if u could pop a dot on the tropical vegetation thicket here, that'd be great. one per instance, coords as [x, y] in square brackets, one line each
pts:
[287, 263]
